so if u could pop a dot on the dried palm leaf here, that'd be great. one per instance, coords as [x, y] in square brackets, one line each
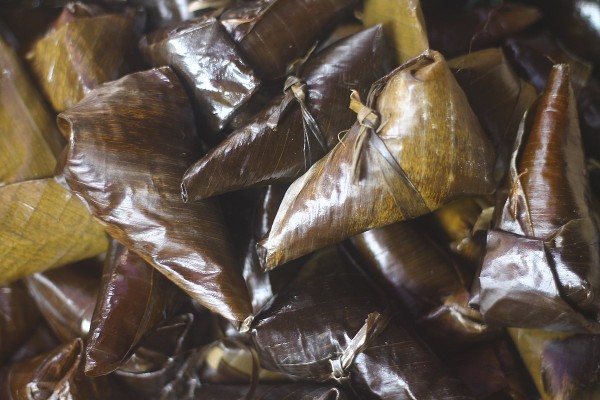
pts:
[403, 23]
[133, 299]
[542, 255]
[298, 127]
[127, 169]
[43, 226]
[378, 174]
[201, 52]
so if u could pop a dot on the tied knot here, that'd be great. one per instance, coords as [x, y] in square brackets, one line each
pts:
[365, 116]
[297, 87]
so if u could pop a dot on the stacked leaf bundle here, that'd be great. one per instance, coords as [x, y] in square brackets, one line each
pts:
[299, 199]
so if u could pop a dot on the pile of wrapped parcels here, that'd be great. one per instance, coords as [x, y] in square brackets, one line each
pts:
[299, 199]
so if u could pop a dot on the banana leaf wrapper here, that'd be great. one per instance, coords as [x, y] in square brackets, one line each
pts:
[76, 10]
[306, 333]
[130, 142]
[342, 30]
[298, 127]
[43, 226]
[534, 55]
[202, 53]
[30, 141]
[563, 366]
[41, 341]
[133, 299]
[376, 176]
[498, 97]
[55, 375]
[456, 32]
[66, 298]
[403, 23]
[19, 318]
[542, 255]
[274, 33]
[430, 287]
[291, 391]
[162, 13]
[72, 60]
[454, 226]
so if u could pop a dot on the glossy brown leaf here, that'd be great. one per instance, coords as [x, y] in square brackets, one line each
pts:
[201, 52]
[308, 327]
[403, 23]
[43, 226]
[455, 32]
[72, 60]
[161, 13]
[373, 179]
[498, 97]
[133, 299]
[279, 143]
[19, 318]
[542, 255]
[131, 141]
[274, 33]
[563, 366]
[30, 140]
[66, 298]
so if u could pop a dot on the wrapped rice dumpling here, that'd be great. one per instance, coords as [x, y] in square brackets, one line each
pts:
[274, 33]
[563, 366]
[201, 52]
[331, 325]
[43, 226]
[497, 95]
[542, 265]
[416, 146]
[131, 140]
[454, 32]
[403, 23]
[30, 140]
[133, 299]
[78, 56]
[66, 297]
[297, 128]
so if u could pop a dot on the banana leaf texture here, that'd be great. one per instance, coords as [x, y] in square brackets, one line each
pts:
[30, 140]
[55, 375]
[66, 297]
[206, 58]
[430, 287]
[298, 127]
[131, 140]
[133, 299]
[456, 32]
[498, 97]
[534, 54]
[454, 227]
[403, 23]
[19, 318]
[274, 33]
[70, 61]
[331, 325]
[378, 174]
[542, 256]
[563, 366]
[42, 226]
[292, 391]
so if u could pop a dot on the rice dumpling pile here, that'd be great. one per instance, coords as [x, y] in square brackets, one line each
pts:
[299, 199]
